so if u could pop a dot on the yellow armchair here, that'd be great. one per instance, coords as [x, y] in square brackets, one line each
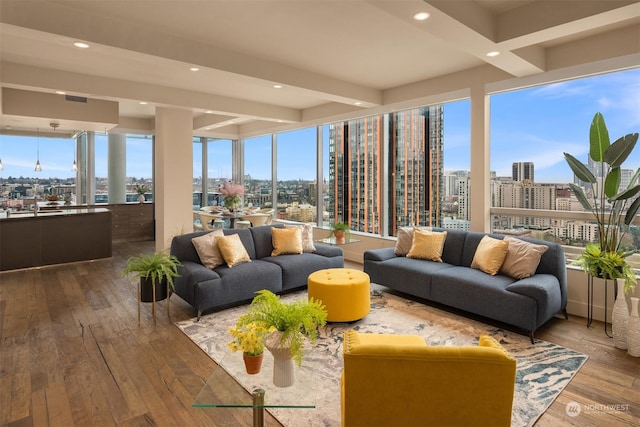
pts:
[399, 380]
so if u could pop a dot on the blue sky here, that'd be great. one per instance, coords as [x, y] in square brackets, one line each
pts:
[531, 125]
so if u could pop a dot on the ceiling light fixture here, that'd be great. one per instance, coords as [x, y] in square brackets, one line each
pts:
[194, 69]
[358, 103]
[143, 103]
[60, 92]
[493, 53]
[38, 168]
[277, 86]
[81, 45]
[421, 16]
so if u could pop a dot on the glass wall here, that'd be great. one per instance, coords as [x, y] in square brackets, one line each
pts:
[219, 168]
[258, 171]
[532, 128]
[296, 171]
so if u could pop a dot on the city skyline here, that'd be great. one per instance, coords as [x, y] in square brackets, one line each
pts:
[533, 125]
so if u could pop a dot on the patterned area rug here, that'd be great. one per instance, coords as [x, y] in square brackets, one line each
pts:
[543, 369]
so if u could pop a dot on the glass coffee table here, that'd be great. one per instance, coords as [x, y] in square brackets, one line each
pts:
[221, 389]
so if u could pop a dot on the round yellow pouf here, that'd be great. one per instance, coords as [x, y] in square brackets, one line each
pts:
[343, 291]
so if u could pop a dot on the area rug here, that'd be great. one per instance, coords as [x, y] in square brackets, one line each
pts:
[543, 369]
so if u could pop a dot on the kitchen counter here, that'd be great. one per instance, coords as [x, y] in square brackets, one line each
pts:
[55, 236]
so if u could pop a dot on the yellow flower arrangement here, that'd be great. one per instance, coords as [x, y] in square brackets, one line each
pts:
[248, 338]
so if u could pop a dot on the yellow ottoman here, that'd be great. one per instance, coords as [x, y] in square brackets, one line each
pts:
[343, 291]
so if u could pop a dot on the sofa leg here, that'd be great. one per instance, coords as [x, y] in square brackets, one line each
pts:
[533, 341]
[566, 315]
[199, 314]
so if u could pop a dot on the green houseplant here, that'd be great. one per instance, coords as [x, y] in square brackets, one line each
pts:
[610, 205]
[153, 269]
[341, 231]
[292, 322]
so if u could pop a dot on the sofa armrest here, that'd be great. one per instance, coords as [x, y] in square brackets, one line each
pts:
[196, 272]
[327, 250]
[545, 289]
[379, 254]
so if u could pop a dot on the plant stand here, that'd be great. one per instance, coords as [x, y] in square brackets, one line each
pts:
[153, 303]
[590, 301]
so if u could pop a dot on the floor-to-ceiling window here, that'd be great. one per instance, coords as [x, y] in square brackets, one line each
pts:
[296, 171]
[219, 168]
[532, 128]
[258, 171]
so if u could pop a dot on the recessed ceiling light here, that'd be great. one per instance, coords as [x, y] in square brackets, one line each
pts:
[60, 92]
[207, 128]
[277, 86]
[421, 16]
[494, 53]
[358, 103]
[81, 45]
[143, 103]
[194, 69]
[209, 112]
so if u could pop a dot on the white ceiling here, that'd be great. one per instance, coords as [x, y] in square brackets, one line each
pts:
[327, 54]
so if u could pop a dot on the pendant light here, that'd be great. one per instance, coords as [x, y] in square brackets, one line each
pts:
[38, 168]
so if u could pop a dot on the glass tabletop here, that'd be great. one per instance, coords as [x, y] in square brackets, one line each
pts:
[221, 389]
[332, 241]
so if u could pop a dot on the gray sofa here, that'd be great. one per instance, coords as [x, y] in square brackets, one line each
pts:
[526, 303]
[222, 287]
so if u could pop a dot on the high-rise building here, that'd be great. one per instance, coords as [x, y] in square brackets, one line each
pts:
[416, 187]
[522, 171]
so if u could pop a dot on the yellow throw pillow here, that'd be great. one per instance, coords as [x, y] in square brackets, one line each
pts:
[286, 241]
[307, 236]
[427, 245]
[207, 249]
[490, 255]
[405, 240]
[522, 258]
[232, 250]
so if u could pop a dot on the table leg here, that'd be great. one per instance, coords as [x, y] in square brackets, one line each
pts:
[258, 407]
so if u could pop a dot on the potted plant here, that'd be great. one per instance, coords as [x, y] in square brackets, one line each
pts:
[341, 231]
[157, 268]
[293, 323]
[249, 338]
[610, 205]
[142, 189]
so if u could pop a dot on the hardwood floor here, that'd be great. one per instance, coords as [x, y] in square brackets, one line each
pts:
[72, 353]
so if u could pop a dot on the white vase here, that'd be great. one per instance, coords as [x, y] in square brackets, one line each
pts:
[284, 367]
[619, 321]
[633, 330]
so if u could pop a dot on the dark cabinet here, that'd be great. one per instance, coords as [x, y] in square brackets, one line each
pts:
[132, 222]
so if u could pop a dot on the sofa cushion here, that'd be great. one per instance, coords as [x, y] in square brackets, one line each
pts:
[297, 268]
[490, 255]
[232, 250]
[307, 236]
[286, 241]
[522, 258]
[207, 249]
[427, 245]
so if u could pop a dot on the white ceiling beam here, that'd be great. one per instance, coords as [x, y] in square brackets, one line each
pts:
[47, 79]
[76, 24]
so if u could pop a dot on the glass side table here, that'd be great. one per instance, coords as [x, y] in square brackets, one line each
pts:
[332, 241]
[221, 389]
